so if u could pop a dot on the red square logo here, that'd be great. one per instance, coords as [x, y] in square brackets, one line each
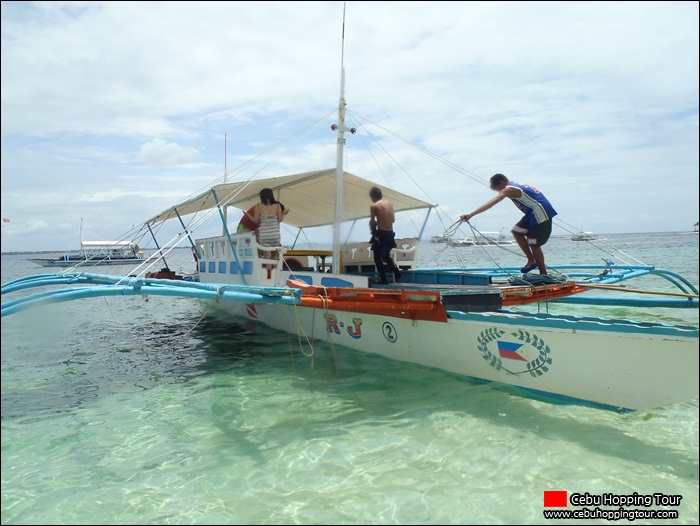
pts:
[555, 499]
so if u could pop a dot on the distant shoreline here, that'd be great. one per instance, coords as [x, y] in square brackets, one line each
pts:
[558, 236]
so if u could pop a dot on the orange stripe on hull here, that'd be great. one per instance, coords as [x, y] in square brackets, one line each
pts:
[409, 304]
[415, 304]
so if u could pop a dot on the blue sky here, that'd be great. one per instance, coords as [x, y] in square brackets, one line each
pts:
[112, 111]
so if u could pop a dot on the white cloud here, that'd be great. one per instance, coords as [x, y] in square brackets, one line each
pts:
[162, 153]
[129, 102]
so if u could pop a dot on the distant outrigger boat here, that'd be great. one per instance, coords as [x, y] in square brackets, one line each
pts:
[97, 253]
[93, 253]
[440, 239]
[584, 236]
[491, 239]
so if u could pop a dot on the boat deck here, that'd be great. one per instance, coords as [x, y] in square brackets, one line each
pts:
[478, 293]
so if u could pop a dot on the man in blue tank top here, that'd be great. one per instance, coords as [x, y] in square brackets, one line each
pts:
[535, 227]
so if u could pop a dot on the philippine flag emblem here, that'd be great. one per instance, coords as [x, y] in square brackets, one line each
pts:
[509, 350]
[516, 352]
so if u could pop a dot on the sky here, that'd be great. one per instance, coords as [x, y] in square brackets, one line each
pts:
[114, 111]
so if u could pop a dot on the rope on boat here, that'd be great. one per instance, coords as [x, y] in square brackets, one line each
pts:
[300, 332]
[537, 279]
[452, 229]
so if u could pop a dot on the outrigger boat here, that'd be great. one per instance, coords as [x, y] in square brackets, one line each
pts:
[471, 322]
[584, 236]
[489, 239]
[94, 253]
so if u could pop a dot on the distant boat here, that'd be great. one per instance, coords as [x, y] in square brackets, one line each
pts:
[483, 239]
[584, 236]
[97, 253]
[440, 239]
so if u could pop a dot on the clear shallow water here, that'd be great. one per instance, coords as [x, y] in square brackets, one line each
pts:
[160, 412]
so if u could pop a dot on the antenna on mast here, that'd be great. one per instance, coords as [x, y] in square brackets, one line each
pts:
[340, 128]
[342, 41]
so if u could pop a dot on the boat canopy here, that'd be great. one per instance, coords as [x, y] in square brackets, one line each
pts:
[310, 196]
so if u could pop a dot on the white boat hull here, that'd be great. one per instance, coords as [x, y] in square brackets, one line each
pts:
[614, 363]
[48, 262]
[618, 367]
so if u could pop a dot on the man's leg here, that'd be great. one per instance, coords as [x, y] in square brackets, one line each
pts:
[392, 265]
[521, 239]
[539, 259]
[378, 262]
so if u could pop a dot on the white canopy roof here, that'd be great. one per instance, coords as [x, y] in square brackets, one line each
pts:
[309, 196]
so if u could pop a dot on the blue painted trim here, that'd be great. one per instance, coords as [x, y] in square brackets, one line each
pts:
[335, 282]
[579, 323]
[544, 396]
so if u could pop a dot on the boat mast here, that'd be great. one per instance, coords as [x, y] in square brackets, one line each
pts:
[82, 248]
[340, 128]
[225, 181]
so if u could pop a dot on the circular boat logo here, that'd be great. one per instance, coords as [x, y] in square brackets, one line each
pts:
[389, 332]
[515, 352]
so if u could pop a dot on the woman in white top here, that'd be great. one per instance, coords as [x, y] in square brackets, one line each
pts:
[268, 215]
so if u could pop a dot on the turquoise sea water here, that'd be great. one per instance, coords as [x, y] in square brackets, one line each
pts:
[126, 411]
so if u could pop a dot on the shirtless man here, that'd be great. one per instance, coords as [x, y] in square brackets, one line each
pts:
[381, 224]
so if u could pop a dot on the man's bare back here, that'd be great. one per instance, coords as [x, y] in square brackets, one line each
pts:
[381, 224]
[381, 215]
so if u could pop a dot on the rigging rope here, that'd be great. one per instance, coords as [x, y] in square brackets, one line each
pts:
[538, 279]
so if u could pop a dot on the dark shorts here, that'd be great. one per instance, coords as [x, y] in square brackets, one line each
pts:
[536, 235]
[383, 241]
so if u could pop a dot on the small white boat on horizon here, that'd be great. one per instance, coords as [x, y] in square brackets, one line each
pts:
[440, 239]
[584, 236]
[491, 239]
